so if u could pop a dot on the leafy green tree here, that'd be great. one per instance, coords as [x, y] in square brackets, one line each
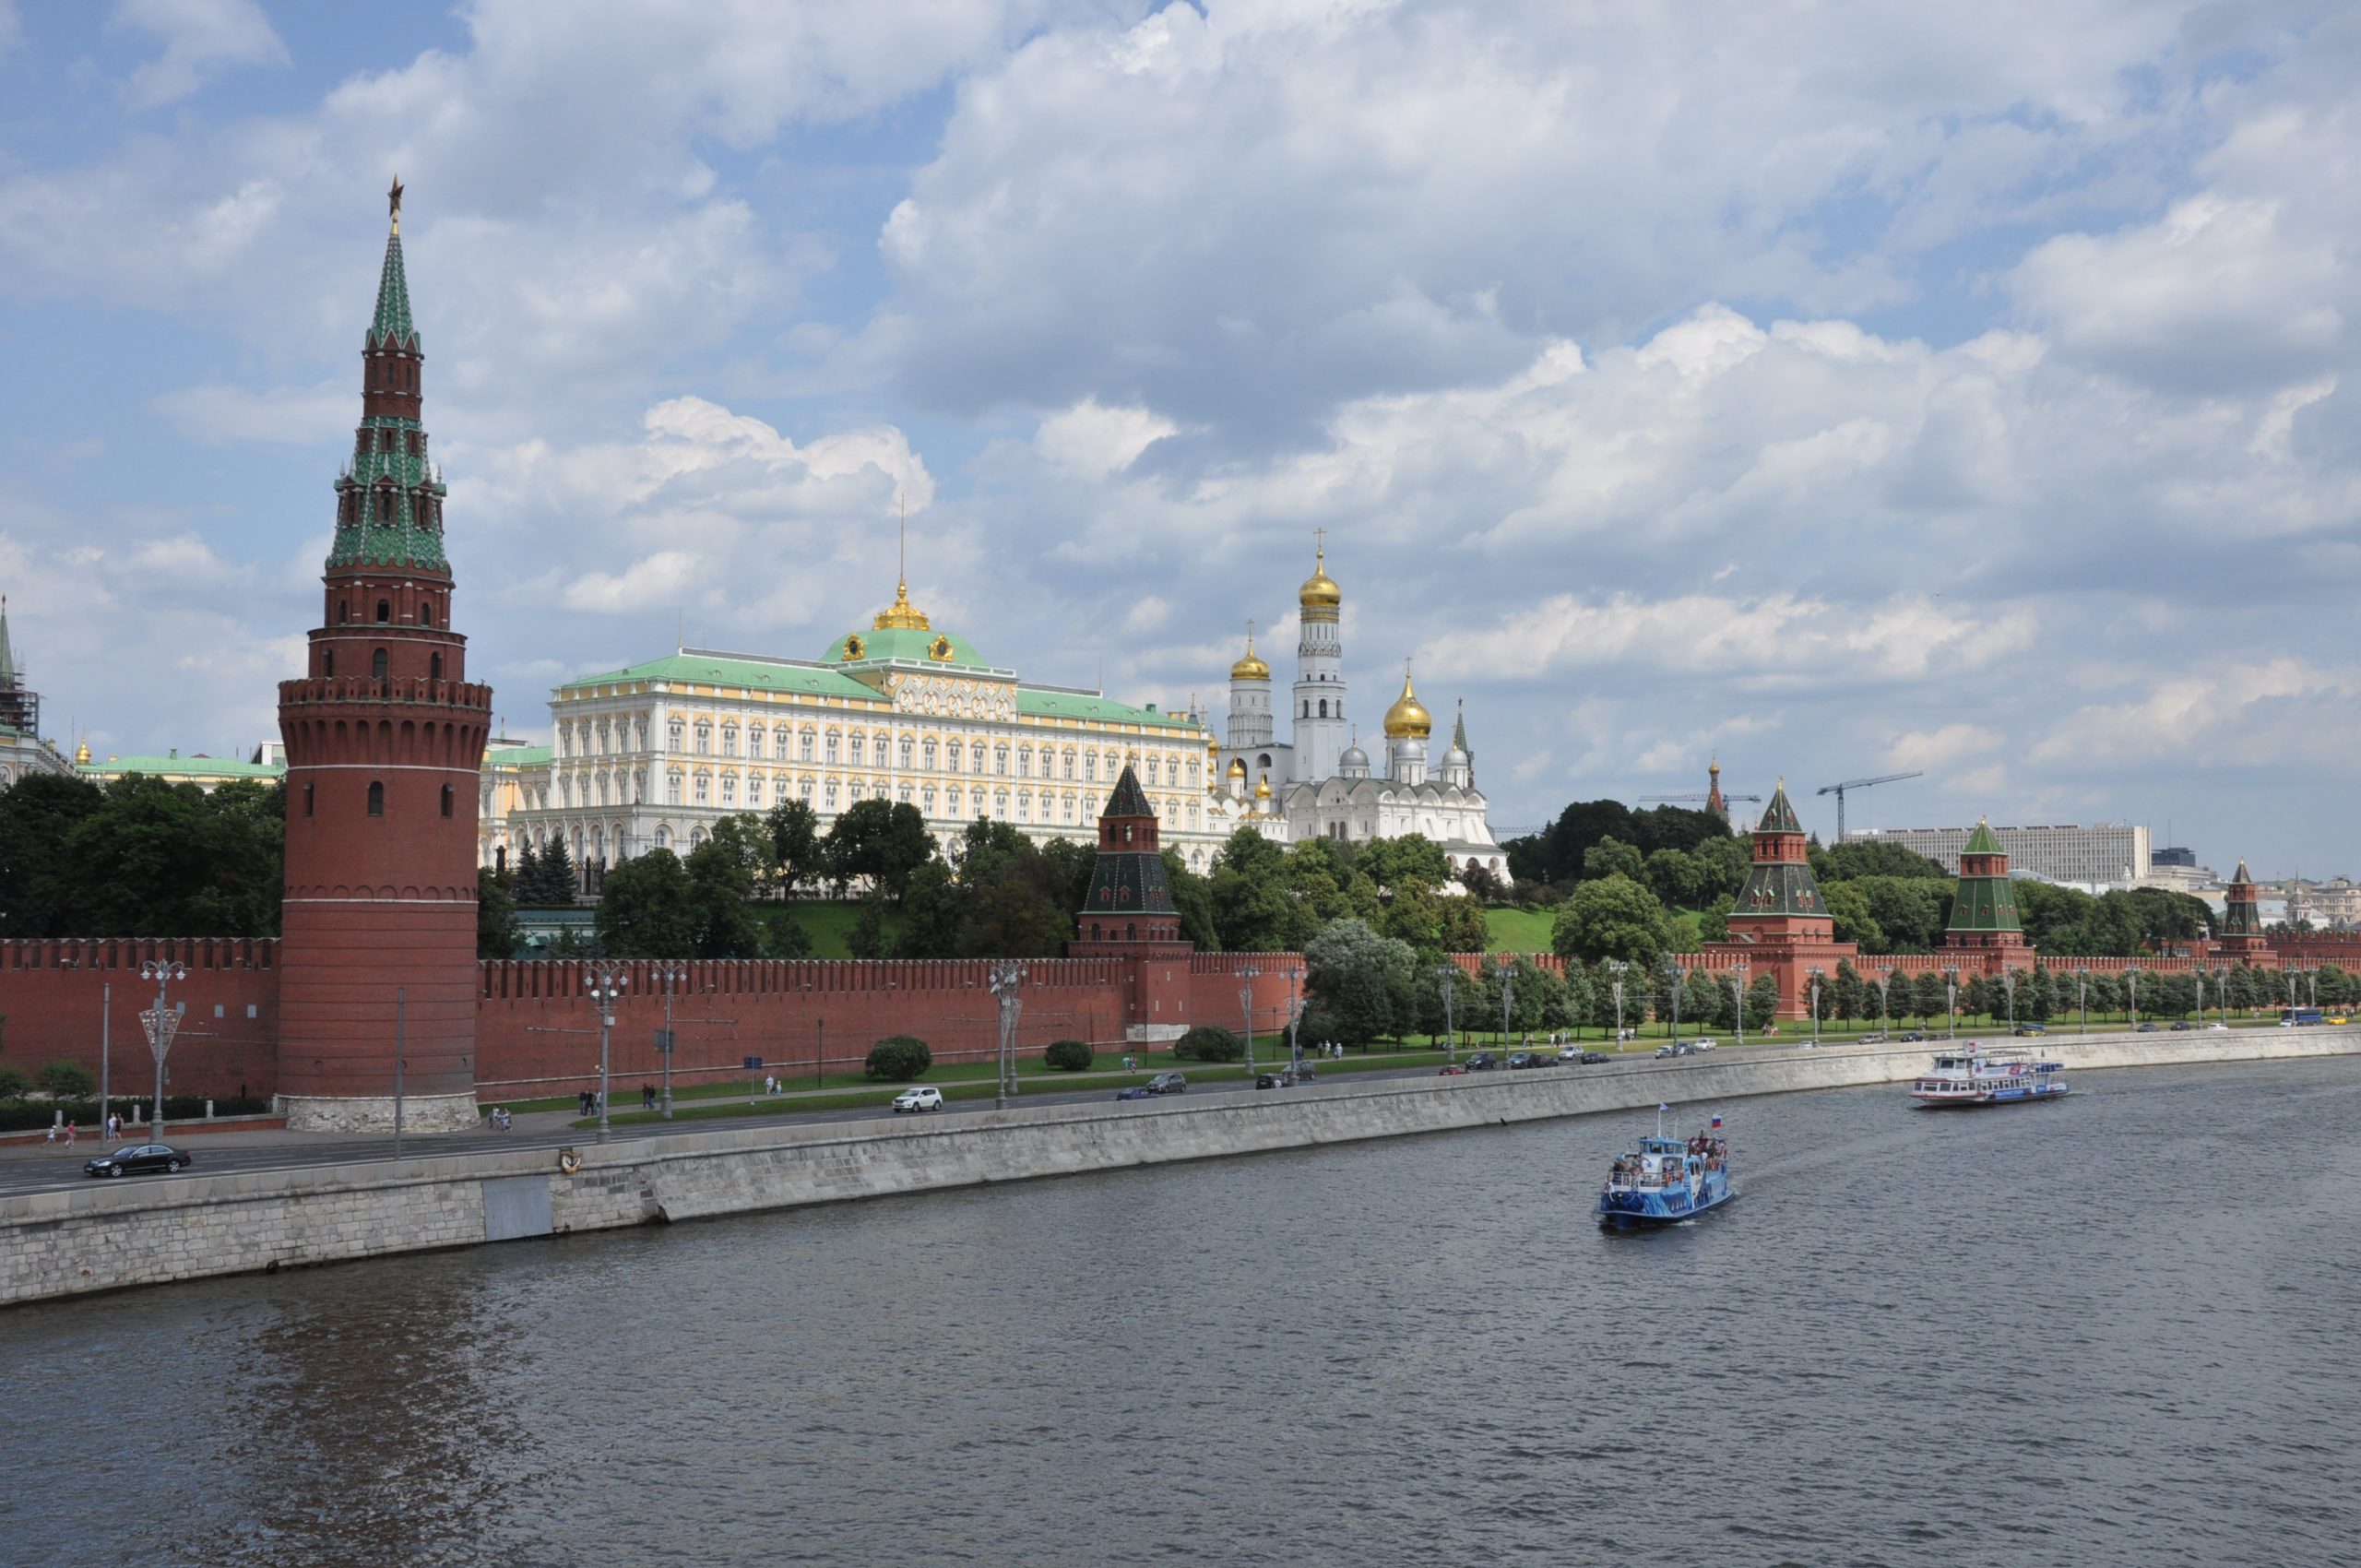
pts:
[67, 1080]
[645, 909]
[881, 842]
[1930, 999]
[1848, 998]
[1208, 1042]
[1363, 983]
[497, 933]
[898, 1059]
[933, 913]
[1700, 998]
[796, 851]
[1613, 917]
[1726, 859]
[1871, 857]
[866, 937]
[1462, 924]
[1612, 856]
[1412, 860]
[1069, 1055]
[721, 884]
[1255, 909]
[1849, 906]
[1428, 1016]
[40, 891]
[1909, 912]
[13, 1083]
[1761, 1001]
[1679, 878]
[1193, 899]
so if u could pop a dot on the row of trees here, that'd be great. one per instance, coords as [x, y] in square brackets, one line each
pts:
[139, 857]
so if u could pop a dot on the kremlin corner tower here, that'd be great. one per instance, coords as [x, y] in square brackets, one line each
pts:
[385, 735]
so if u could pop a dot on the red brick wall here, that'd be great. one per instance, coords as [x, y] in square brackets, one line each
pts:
[52, 993]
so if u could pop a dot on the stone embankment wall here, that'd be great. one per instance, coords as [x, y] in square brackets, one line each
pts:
[104, 1237]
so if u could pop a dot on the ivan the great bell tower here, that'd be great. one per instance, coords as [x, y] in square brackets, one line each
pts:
[385, 735]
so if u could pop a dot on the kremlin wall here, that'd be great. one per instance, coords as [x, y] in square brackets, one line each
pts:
[384, 740]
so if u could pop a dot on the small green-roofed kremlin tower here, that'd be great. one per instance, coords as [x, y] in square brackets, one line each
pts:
[385, 735]
[1781, 924]
[1984, 910]
[2241, 940]
[1128, 914]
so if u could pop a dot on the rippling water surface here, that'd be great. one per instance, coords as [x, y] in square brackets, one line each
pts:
[2118, 1330]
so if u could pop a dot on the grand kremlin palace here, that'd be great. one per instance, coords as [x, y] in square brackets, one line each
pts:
[650, 756]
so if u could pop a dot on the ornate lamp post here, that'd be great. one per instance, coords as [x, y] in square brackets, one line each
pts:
[1672, 971]
[1885, 979]
[669, 976]
[1741, 970]
[1006, 978]
[1816, 973]
[159, 1022]
[2131, 988]
[607, 983]
[1508, 977]
[2008, 984]
[1618, 966]
[1246, 1006]
[1951, 1003]
[2083, 994]
[1295, 1019]
[1445, 973]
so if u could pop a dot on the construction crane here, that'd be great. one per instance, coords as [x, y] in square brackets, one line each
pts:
[1838, 790]
[1701, 795]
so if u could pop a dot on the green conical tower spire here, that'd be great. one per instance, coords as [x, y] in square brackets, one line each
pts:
[1984, 903]
[392, 327]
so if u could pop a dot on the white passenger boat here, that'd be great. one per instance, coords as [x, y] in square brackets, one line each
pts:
[1973, 1077]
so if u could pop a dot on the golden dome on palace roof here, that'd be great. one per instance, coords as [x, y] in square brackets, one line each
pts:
[1319, 590]
[1408, 717]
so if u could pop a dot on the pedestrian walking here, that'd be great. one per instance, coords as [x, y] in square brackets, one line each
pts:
[56, 1131]
[69, 1132]
[114, 1127]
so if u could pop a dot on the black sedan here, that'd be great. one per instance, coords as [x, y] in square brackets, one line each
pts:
[1482, 1062]
[134, 1159]
[1521, 1060]
[1589, 1057]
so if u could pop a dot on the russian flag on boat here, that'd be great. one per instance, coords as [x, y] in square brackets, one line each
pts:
[1718, 1123]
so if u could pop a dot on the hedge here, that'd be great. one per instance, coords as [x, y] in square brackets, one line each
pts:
[19, 1116]
[898, 1059]
[1069, 1055]
[1208, 1042]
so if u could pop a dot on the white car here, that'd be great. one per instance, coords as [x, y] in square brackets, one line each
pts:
[2219, 1028]
[918, 1100]
[1703, 1045]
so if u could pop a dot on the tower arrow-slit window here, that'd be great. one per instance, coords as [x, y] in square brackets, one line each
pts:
[376, 797]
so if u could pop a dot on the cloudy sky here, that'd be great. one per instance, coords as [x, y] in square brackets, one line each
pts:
[1841, 389]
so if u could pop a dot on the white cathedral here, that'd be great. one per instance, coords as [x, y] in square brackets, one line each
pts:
[1318, 782]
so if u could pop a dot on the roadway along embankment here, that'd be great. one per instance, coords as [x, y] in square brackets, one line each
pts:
[108, 1236]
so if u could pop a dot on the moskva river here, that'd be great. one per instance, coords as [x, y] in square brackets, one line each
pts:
[2120, 1329]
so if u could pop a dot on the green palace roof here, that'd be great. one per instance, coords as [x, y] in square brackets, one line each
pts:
[719, 669]
[516, 756]
[912, 644]
[175, 766]
[1036, 703]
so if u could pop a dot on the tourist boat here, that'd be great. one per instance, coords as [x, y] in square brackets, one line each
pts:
[1665, 1181]
[2003, 1078]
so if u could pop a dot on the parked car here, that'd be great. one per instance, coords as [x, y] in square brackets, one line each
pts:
[924, 1098]
[1520, 1059]
[1875, 1037]
[2146, 1029]
[1666, 1051]
[1283, 1078]
[2031, 1029]
[1482, 1062]
[1570, 1054]
[1592, 1056]
[2224, 1028]
[2183, 1027]
[1450, 1070]
[136, 1160]
[1911, 1036]
[1135, 1091]
[1701, 1045]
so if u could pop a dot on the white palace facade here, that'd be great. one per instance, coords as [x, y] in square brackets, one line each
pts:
[652, 755]
[1319, 781]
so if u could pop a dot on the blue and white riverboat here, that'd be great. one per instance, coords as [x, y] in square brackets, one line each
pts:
[1665, 1181]
[1973, 1077]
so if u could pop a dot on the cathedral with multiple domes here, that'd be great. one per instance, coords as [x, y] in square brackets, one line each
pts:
[1319, 782]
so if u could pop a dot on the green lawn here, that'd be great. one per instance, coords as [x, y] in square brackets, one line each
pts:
[1517, 931]
[828, 924]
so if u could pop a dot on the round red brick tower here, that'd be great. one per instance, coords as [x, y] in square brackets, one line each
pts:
[385, 735]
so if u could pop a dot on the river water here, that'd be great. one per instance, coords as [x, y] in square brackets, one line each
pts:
[2116, 1330]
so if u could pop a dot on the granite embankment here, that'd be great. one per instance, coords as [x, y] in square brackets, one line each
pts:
[108, 1236]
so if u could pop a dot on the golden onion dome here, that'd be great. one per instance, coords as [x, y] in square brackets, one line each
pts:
[1251, 667]
[1262, 788]
[1408, 720]
[1237, 767]
[1319, 590]
[82, 755]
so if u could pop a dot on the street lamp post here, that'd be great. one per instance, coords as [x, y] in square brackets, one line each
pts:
[1246, 1005]
[2200, 973]
[1295, 1020]
[2132, 987]
[1450, 1030]
[1815, 1003]
[1951, 1003]
[1885, 979]
[2008, 984]
[1618, 966]
[1672, 970]
[669, 976]
[1507, 976]
[1740, 969]
[607, 983]
[160, 1023]
[1006, 978]
[2083, 994]
[106, 1037]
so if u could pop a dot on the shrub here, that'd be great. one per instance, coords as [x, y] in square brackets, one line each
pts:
[12, 1084]
[1069, 1055]
[1209, 1042]
[898, 1059]
[68, 1080]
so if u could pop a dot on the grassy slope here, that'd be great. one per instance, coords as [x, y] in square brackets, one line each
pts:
[828, 924]
[1517, 931]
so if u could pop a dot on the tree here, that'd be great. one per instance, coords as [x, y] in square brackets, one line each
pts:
[882, 841]
[1412, 860]
[1462, 924]
[1481, 883]
[1849, 908]
[1848, 997]
[797, 851]
[720, 883]
[1362, 984]
[1679, 878]
[1612, 918]
[1069, 1055]
[1429, 1017]
[867, 938]
[1909, 912]
[497, 933]
[558, 882]
[38, 887]
[1612, 856]
[1193, 899]
[12, 1084]
[1762, 1000]
[1930, 997]
[1700, 997]
[1871, 857]
[645, 909]
[1208, 1042]
[897, 1059]
[1254, 908]
[67, 1080]
[933, 911]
